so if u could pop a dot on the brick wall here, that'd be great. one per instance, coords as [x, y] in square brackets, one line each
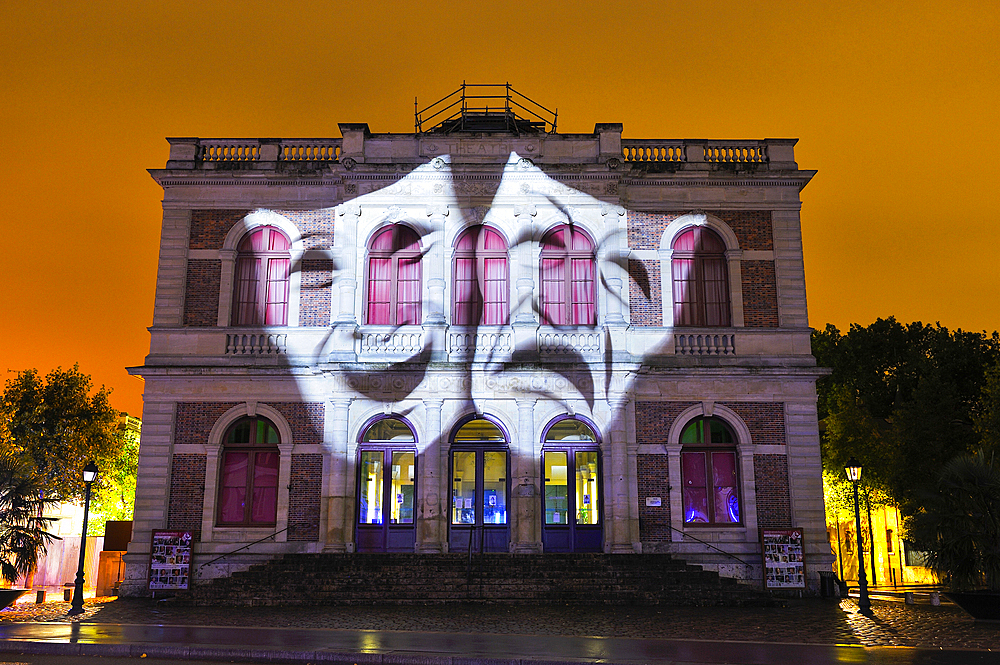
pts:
[773, 502]
[765, 420]
[645, 311]
[760, 294]
[201, 292]
[209, 227]
[304, 497]
[314, 301]
[305, 419]
[187, 493]
[315, 226]
[752, 227]
[194, 420]
[653, 419]
[653, 478]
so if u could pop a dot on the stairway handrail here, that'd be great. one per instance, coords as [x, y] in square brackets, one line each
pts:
[223, 556]
[730, 555]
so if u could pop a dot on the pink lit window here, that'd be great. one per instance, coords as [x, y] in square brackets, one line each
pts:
[248, 483]
[394, 294]
[261, 289]
[481, 291]
[701, 281]
[710, 486]
[568, 273]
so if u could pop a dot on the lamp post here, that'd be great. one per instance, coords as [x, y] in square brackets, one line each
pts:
[853, 469]
[89, 476]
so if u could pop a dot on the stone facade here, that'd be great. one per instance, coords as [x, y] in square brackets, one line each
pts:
[629, 377]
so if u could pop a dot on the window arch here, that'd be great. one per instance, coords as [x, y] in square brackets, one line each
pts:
[248, 485]
[568, 269]
[709, 478]
[700, 279]
[481, 279]
[394, 296]
[387, 478]
[260, 296]
[571, 467]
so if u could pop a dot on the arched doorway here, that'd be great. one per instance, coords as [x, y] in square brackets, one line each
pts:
[480, 487]
[571, 487]
[386, 487]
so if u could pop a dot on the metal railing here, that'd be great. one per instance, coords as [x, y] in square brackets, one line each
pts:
[240, 549]
[474, 103]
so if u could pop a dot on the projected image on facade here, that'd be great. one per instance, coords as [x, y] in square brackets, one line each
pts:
[484, 336]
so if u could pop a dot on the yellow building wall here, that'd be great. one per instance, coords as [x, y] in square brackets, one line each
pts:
[890, 560]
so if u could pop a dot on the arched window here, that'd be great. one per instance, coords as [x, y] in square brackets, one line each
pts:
[394, 277]
[248, 488]
[481, 292]
[701, 282]
[709, 479]
[568, 293]
[571, 487]
[261, 293]
[387, 456]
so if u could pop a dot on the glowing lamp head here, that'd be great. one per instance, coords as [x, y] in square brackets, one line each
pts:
[90, 472]
[853, 469]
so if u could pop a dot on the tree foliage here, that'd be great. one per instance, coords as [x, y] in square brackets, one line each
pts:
[54, 426]
[959, 523]
[902, 399]
[23, 532]
[114, 492]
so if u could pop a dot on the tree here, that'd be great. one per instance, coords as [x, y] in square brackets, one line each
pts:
[901, 399]
[23, 532]
[986, 419]
[959, 523]
[114, 493]
[55, 426]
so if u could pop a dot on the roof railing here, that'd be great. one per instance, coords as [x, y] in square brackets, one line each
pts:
[484, 107]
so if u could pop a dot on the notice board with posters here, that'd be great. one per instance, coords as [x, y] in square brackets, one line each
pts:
[783, 553]
[170, 560]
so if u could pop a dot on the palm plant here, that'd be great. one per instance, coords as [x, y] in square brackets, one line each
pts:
[960, 524]
[23, 534]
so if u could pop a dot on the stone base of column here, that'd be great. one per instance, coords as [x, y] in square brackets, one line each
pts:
[526, 548]
[429, 548]
[622, 548]
[334, 548]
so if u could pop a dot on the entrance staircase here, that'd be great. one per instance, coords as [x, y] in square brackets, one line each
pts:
[368, 579]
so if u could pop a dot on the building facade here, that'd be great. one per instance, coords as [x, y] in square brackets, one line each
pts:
[485, 335]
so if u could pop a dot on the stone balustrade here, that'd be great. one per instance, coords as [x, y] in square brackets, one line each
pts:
[555, 343]
[256, 344]
[480, 344]
[652, 150]
[705, 344]
[404, 342]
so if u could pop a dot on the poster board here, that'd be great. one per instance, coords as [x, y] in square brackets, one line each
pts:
[170, 560]
[783, 553]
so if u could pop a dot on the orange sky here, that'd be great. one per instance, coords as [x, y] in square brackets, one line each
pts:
[896, 105]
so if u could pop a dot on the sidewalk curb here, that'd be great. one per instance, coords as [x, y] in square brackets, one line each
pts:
[258, 655]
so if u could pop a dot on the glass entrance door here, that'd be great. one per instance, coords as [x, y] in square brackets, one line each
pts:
[479, 501]
[386, 501]
[571, 489]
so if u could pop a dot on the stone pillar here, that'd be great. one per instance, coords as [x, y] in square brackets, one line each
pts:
[525, 525]
[340, 518]
[676, 493]
[526, 267]
[434, 322]
[621, 537]
[432, 528]
[346, 240]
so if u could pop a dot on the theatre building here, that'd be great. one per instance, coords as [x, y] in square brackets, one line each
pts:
[485, 334]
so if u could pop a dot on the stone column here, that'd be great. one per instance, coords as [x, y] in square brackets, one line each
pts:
[432, 528]
[340, 518]
[621, 537]
[525, 527]
[526, 266]
[346, 240]
[434, 322]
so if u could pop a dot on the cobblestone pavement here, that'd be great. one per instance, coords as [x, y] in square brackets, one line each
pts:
[811, 621]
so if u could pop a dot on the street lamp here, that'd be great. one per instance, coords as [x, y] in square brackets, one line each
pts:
[853, 469]
[89, 476]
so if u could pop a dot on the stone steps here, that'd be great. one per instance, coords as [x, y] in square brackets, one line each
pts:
[324, 579]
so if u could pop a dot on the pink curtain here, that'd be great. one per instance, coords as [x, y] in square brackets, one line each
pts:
[716, 291]
[466, 293]
[232, 496]
[277, 292]
[684, 292]
[497, 296]
[265, 488]
[553, 291]
[584, 302]
[694, 494]
[724, 481]
[379, 293]
[408, 291]
[247, 274]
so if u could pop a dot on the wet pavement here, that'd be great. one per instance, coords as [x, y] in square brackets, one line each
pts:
[804, 631]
